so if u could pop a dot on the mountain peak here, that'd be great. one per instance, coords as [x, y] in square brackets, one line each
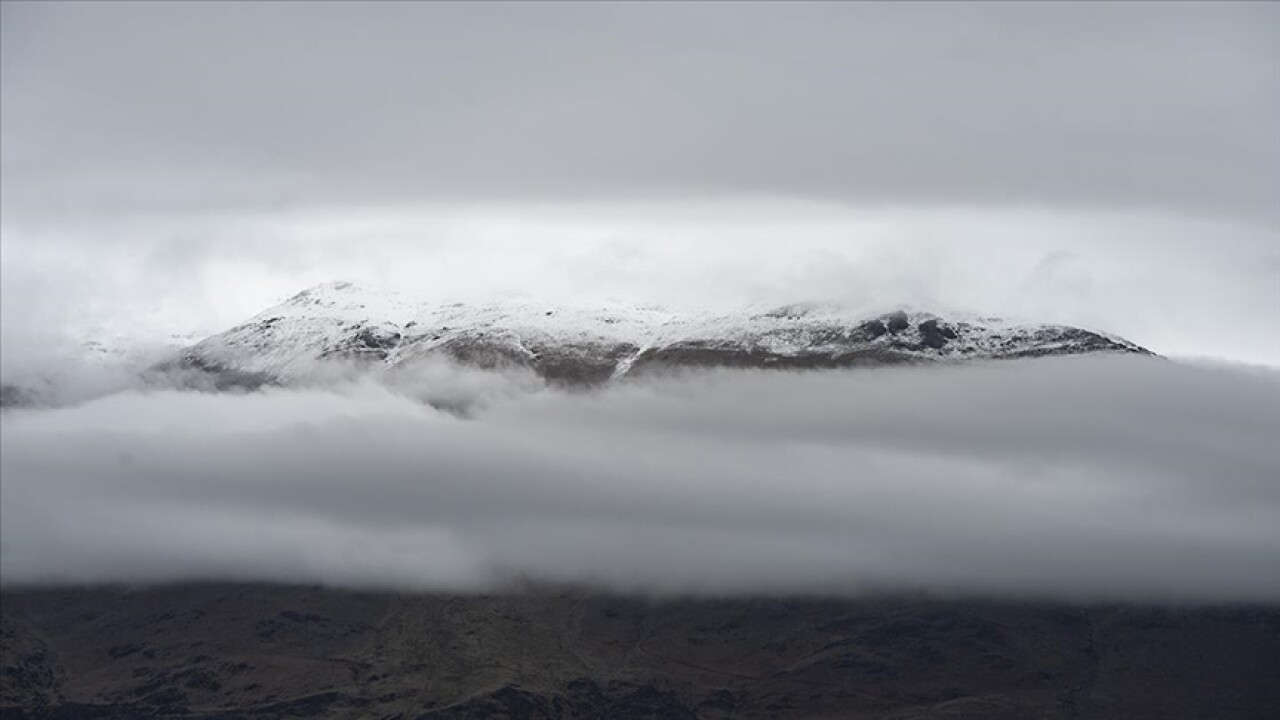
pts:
[326, 288]
[326, 292]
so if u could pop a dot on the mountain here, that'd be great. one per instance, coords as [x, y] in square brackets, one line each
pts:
[86, 362]
[579, 345]
[277, 651]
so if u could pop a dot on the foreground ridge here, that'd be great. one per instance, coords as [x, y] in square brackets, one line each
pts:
[277, 651]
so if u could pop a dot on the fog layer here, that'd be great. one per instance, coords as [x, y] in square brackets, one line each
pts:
[1132, 478]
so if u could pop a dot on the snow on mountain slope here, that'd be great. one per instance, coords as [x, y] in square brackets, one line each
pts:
[589, 344]
[76, 364]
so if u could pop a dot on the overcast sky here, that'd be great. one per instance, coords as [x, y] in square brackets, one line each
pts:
[183, 165]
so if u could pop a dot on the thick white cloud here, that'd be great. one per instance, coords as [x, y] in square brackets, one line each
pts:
[1130, 478]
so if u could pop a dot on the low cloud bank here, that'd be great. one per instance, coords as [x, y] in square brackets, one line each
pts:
[1076, 478]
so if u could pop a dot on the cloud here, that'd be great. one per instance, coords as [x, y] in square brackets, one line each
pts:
[119, 108]
[1128, 478]
[1179, 285]
[180, 167]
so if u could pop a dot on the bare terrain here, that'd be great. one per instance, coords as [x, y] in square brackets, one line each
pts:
[258, 651]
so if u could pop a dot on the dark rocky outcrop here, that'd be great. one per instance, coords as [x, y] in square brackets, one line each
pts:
[934, 335]
[896, 322]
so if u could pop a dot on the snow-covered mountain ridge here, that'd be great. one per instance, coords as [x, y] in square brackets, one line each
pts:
[596, 343]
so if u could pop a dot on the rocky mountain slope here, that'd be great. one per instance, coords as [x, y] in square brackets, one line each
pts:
[255, 651]
[593, 344]
[88, 363]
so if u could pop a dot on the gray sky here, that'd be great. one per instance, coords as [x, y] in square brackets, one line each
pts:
[184, 164]
[1090, 477]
